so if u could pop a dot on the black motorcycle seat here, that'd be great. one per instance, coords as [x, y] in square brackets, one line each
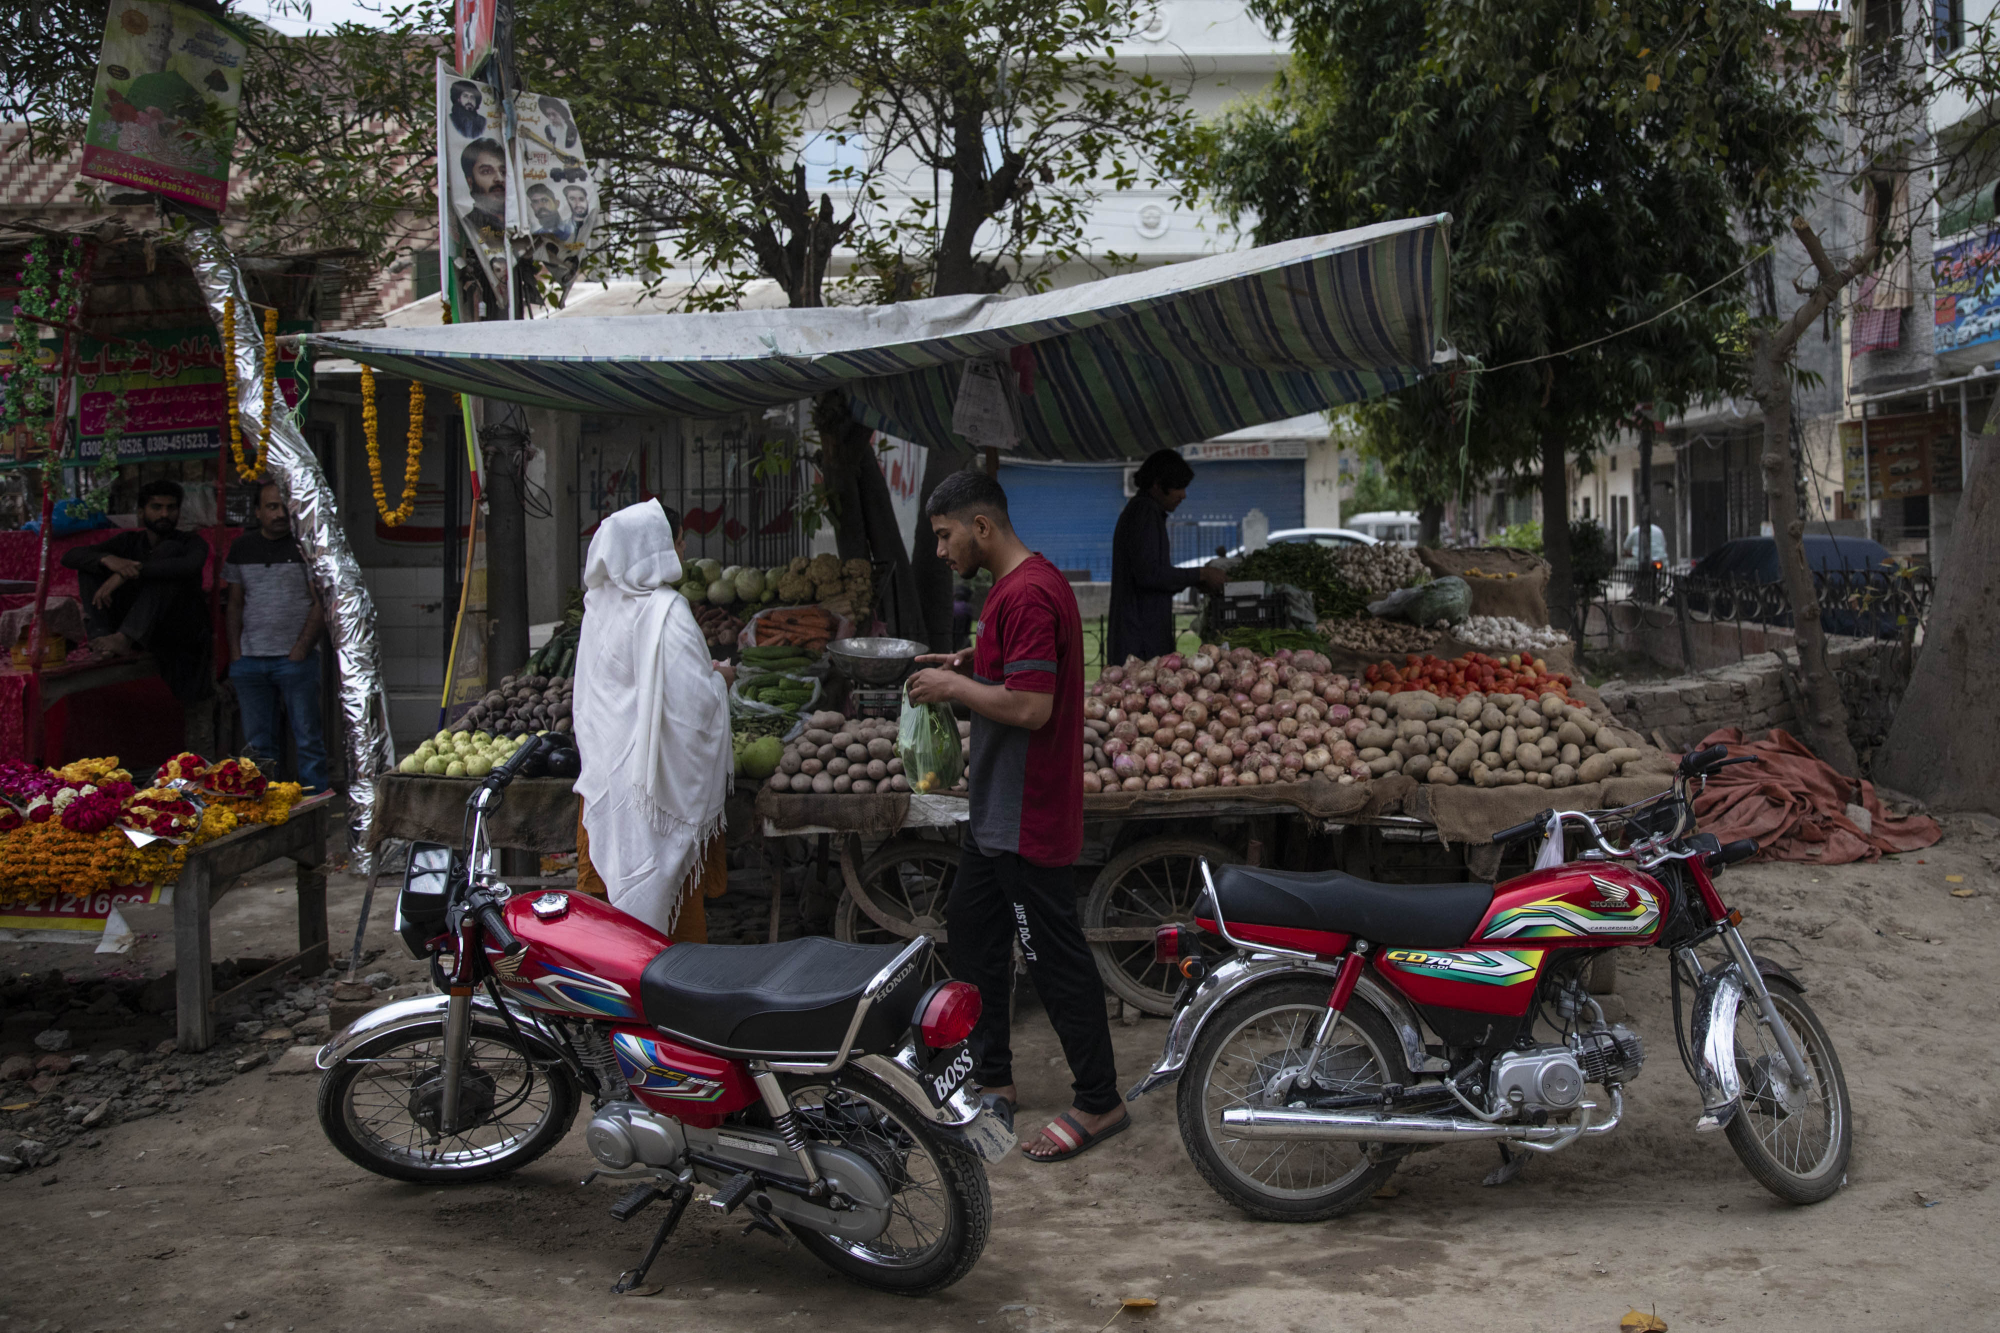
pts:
[791, 999]
[1412, 916]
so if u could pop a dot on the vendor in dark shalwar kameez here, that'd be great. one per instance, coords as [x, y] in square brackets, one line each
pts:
[1144, 580]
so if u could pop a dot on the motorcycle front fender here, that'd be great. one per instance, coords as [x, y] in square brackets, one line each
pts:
[1233, 977]
[1713, 1037]
[420, 1010]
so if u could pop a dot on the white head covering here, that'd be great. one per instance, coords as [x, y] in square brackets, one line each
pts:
[651, 718]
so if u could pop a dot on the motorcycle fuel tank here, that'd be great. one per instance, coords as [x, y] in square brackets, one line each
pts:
[1580, 905]
[584, 956]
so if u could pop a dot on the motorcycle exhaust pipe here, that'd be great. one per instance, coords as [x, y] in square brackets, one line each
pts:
[1246, 1122]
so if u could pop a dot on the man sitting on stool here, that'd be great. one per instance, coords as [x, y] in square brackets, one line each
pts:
[142, 589]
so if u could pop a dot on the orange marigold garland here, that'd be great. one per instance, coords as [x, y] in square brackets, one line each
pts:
[272, 403]
[413, 460]
[243, 468]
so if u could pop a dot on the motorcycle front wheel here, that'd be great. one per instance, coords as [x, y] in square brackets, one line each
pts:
[380, 1106]
[942, 1210]
[1248, 1044]
[1794, 1140]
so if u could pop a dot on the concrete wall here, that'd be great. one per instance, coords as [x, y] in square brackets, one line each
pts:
[1755, 696]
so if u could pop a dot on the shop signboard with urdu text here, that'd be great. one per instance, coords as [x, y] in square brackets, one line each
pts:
[163, 113]
[171, 384]
[1916, 453]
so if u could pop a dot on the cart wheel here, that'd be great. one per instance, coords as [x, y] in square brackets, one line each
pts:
[908, 880]
[1148, 884]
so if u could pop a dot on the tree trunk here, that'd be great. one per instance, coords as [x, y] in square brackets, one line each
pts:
[1555, 528]
[865, 517]
[1823, 718]
[933, 576]
[1430, 522]
[1946, 731]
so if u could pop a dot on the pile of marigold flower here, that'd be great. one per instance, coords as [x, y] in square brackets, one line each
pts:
[62, 829]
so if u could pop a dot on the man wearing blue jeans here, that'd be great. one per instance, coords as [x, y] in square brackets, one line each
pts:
[274, 627]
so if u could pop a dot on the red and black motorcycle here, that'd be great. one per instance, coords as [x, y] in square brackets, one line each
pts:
[1349, 1024]
[817, 1086]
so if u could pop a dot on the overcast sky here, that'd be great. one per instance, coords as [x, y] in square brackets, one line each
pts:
[325, 13]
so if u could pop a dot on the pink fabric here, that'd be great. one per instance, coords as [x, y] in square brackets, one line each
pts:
[1795, 806]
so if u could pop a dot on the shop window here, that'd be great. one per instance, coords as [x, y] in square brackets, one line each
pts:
[1947, 26]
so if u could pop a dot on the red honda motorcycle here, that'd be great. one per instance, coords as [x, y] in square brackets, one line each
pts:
[817, 1086]
[1349, 1024]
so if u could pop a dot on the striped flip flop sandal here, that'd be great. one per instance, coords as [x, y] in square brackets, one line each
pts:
[1071, 1137]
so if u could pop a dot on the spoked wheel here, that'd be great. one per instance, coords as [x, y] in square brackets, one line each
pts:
[1794, 1140]
[940, 1209]
[1147, 885]
[1248, 1055]
[909, 881]
[381, 1106]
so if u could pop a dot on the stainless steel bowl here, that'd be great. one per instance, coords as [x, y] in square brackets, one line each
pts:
[873, 661]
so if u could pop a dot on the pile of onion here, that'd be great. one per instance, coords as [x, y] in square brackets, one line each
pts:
[1220, 718]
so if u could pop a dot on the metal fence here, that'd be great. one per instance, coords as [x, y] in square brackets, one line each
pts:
[1198, 538]
[1887, 604]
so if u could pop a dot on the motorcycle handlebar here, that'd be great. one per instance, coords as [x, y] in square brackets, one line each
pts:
[1742, 849]
[495, 926]
[1519, 831]
[1700, 761]
[517, 761]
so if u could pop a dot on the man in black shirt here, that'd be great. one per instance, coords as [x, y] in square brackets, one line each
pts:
[1143, 577]
[142, 589]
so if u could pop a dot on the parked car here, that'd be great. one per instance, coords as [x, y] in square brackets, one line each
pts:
[1317, 536]
[1739, 580]
[1404, 529]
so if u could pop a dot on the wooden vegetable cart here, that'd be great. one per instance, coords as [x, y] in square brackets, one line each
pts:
[1147, 855]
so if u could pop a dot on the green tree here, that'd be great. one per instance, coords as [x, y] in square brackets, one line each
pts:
[335, 138]
[1610, 169]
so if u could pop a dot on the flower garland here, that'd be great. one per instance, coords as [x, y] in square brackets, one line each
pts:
[229, 388]
[272, 404]
[413, 460]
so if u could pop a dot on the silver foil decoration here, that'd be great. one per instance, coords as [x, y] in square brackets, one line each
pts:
[336, 576]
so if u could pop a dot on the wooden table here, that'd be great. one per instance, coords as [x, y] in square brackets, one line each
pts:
[210, 871]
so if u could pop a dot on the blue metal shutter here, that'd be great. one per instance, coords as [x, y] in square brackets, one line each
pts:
[1067, 511]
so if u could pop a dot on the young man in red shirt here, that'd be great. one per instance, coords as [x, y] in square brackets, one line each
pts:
[1023, 681]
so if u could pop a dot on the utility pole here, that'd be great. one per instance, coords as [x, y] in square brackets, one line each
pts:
[503, 430]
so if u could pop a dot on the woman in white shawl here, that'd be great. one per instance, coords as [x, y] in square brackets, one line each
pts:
[651, 714]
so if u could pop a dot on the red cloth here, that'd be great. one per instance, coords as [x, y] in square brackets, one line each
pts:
[1795, 806]
[1027, 789]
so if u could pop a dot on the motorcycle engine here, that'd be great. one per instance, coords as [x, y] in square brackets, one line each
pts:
[624, 1134]
[1537, 1078]
[1611, 1054]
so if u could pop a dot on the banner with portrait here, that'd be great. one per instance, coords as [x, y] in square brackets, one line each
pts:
[473, 155]
[163, 113]
[558, 200]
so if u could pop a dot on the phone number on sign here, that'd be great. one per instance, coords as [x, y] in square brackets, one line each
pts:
[87, 905]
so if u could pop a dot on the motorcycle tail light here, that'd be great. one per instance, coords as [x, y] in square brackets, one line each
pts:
[1168, 945]
[948, 1014]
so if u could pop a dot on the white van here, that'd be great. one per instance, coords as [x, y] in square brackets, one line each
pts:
[1398, 529]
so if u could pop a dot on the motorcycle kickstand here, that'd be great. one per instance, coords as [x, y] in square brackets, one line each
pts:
[1510, 1166]
[632, 1277]
[760, 1220]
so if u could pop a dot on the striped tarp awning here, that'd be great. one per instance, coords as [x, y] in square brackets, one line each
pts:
[1120, 367]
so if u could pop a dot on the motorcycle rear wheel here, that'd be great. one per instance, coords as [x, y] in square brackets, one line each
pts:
[1797, 1151]
[942, 1208]
[372, 1105]
[1252, 1037]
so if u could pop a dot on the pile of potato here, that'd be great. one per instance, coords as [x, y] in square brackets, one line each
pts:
[836, 754]
[1491, 740]
[1219, 719]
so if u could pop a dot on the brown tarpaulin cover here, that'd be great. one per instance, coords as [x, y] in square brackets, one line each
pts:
[1795, 805]
[1474, 814]
[538, 814]
[1317, 798]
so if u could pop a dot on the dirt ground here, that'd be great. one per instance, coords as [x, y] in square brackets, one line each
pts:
[234, 1213]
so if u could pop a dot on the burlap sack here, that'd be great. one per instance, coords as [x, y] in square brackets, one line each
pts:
[1519, 591]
